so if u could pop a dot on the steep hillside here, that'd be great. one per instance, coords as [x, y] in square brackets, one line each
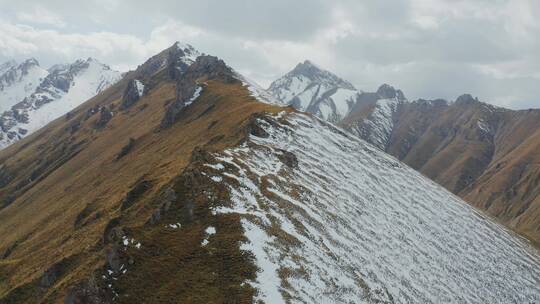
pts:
[32, 96]
[178, 185]
[483, 153]
[78, 188]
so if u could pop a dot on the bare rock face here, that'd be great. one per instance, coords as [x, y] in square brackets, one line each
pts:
[204, 68]
[134, 91]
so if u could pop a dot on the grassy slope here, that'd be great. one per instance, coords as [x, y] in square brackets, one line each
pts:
[40, 225]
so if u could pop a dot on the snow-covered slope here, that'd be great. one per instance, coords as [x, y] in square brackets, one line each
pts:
[314, 90]
[331, 219]
[373, 121]
[54, 93]
[18, 81]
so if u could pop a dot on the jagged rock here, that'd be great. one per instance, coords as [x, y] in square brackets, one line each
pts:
[386, 91]
[134, 91]
[180, 57]
[5, 176]
[112, 232]
[90, 112]
[466, 99]
[204, 68]
[105, 115]
[168, 199]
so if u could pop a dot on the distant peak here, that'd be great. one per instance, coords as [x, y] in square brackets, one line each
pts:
[306, 67]
[315, 73]
[30, 62]
[466, 99]
[387, 91]
[184, 47]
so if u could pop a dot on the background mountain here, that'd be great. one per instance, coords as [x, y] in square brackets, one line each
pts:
[310, 89]
[485, 154]
[31, 97]
[179, 184]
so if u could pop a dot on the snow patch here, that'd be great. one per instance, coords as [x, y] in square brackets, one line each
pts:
[196, 95]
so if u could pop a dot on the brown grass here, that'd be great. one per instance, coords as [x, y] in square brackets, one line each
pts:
[90, 184]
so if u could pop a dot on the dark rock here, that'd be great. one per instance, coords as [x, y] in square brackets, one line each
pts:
[90, 112]
[112, 232]
[386, 91]
[52, 274]
[288, 158]
[132, 94]
[466, 99]
[135, 193]
[205, 68]
[169, 198]
[126, 149]
[105, 115]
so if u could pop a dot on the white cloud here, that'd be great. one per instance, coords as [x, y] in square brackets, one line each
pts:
[429, 48]
[40, 15]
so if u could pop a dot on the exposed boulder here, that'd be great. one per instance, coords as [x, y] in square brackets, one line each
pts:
[134, 91]
[105, 115]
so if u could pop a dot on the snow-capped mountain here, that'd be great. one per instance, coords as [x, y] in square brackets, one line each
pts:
[40, 96]
[311, 89]
[18, 81]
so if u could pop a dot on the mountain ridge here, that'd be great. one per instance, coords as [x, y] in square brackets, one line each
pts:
[458, 144]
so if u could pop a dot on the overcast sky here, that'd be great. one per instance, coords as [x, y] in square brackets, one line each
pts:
[428, 48]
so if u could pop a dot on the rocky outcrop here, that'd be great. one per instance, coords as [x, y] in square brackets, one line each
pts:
[205, 68]
[105, 115]
[134, 91]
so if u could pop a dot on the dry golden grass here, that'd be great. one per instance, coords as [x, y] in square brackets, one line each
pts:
[63, 212]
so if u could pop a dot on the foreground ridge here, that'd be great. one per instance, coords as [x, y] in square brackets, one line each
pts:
[330, 218]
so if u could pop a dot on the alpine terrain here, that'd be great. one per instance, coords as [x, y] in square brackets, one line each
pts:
[485, 154]
[31, 97]
[184, 183]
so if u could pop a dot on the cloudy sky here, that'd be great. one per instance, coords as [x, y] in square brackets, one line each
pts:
[428, 48]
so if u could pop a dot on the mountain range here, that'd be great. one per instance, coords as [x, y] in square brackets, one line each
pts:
[31, 97]
[485, 154]
[184, 182]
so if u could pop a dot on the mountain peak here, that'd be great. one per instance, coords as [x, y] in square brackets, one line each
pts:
[466, 99]
[387, 91]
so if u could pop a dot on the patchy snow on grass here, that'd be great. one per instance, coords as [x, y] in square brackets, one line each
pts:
[351, 224]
